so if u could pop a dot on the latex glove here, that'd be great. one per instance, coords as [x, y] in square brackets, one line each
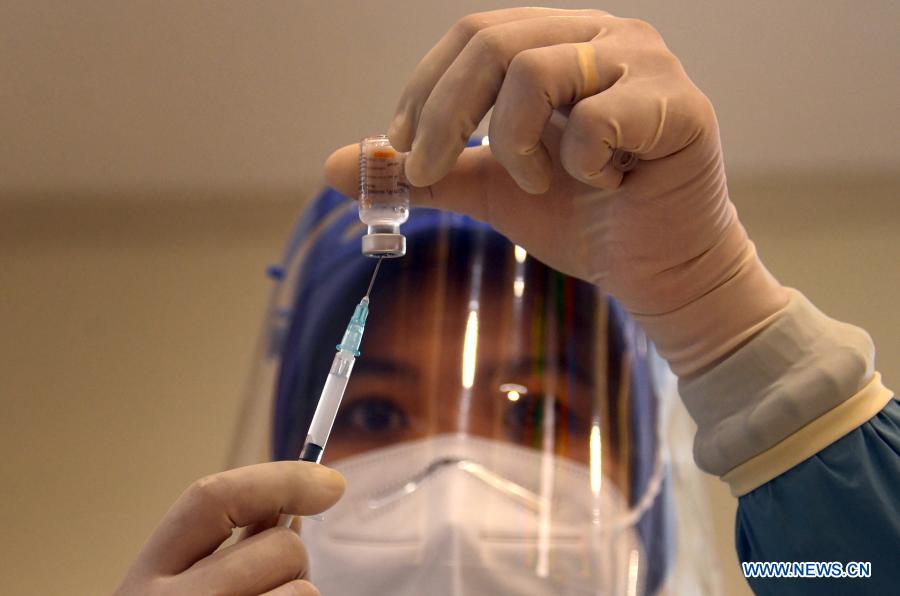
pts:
[180, 557]
[567, 89]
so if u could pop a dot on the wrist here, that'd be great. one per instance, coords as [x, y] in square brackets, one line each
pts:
[797, 386]
[707, 330]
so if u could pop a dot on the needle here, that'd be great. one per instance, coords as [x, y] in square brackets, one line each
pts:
[372, 281]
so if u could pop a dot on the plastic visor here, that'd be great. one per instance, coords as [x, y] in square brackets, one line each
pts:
[467, 336]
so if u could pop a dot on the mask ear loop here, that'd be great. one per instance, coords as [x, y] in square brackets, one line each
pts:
[654, 489]
[654, 483]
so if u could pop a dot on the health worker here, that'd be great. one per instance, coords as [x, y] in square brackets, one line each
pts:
[502, 433]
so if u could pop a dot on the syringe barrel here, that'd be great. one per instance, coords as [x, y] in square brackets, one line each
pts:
[383, 197]
[330, 399]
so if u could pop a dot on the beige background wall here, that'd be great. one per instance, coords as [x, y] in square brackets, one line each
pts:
[153, 157]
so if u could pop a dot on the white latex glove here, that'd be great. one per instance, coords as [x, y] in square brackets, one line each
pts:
[180, 557]
[568, 88]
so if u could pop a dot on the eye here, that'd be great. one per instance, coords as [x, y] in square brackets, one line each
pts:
[374, 415]
[524, 419]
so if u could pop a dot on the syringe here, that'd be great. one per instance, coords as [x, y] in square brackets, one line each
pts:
[335, 384]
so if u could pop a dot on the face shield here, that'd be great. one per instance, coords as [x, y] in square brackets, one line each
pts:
[500, 432]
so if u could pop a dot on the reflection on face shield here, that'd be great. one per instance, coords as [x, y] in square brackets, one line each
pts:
[447, 339]
[501, 416]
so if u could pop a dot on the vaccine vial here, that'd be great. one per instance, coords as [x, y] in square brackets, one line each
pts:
[383, 197]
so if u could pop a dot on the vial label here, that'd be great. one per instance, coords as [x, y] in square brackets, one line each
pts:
[384, 192]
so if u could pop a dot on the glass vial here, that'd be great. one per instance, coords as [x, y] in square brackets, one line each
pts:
[383, 197]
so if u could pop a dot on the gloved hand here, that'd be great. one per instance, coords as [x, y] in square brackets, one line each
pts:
[180, 556]
[567, 89]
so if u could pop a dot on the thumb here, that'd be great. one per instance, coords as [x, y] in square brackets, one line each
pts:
[206, 513]
[465, 189]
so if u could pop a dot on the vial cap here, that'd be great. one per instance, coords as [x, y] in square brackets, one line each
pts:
[384, 245]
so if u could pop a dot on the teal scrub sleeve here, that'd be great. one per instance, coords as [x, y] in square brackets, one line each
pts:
[841, 505]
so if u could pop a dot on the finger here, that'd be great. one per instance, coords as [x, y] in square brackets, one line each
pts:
[470, 85]
[628, 116]
[207, 512]
[465, 189]
[539, 81]
[256, 528]
[650, 120]
[478, 186]
[298, 587]
[436, 62]
[265, 561]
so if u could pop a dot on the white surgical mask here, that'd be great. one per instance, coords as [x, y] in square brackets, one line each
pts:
[455, 515]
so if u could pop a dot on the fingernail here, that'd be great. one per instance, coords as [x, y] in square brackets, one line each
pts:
[397, 132]
[413, 171]
[394, 128]
[326, 476]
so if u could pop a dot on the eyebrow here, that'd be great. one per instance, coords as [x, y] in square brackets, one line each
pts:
[381, 367]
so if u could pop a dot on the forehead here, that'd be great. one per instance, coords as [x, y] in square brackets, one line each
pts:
[515, 315]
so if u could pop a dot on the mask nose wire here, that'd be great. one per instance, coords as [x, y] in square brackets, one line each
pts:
[503, 485]
[515, 491]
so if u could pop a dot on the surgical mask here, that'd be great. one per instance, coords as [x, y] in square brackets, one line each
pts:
[455, 515]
